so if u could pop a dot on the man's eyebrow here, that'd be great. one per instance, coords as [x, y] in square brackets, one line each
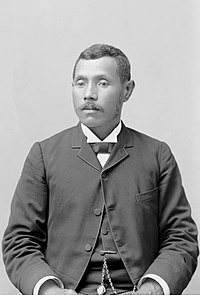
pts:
[103, 76]
[79, 77]
[99, 76]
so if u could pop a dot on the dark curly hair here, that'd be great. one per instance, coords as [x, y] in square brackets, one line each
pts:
[99, 50]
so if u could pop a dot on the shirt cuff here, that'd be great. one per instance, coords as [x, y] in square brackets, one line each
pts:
[159, 280]
[43, 280]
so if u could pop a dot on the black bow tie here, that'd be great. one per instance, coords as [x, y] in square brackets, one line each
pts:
[102, 147]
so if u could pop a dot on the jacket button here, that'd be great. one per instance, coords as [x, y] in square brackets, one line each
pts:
[88, 247]
[97, 212]
[104, 175]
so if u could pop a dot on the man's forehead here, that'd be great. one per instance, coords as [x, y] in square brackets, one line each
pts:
[104, 64]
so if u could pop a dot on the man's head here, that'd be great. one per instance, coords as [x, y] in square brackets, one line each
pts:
[100, 50]
[101, 84]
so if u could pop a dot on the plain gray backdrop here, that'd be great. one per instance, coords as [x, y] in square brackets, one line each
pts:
[39, 42]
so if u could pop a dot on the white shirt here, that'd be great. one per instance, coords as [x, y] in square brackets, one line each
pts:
[92, 138]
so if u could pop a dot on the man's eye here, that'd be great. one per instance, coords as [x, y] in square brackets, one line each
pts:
[80, 83]
[103, 83]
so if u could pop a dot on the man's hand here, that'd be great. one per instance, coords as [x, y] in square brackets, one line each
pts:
[51, 288]
[150, 287]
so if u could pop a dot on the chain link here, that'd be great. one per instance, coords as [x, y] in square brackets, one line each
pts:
[105, 267]
[106, 270]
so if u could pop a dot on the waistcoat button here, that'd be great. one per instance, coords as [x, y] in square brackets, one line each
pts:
[120, 243]
[104, 231]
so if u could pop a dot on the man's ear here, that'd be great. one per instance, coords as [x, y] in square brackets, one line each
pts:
[128, 89]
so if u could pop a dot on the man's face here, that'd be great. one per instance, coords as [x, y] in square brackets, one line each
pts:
[98, 93]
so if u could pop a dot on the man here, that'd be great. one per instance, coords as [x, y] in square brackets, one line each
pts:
[107, 219]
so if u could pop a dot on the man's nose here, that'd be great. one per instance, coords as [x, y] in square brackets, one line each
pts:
[91, 92]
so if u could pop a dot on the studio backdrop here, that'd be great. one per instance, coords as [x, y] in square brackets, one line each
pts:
[40, 41]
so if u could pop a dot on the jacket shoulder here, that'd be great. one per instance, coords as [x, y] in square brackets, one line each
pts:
[142, 138]
[55, 144]
[56, 138]
[58, 141]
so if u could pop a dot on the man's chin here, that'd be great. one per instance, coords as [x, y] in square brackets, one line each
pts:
[91, 123]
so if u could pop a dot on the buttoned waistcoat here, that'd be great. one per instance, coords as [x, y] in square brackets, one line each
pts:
[57, 210]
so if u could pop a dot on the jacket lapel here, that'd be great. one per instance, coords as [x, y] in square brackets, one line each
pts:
[86, 153]
[120, 150]
[84, 150]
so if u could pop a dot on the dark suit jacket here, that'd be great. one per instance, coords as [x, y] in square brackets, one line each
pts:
[54, 222]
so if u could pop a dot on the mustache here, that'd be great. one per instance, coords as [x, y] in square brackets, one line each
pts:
[91, 106]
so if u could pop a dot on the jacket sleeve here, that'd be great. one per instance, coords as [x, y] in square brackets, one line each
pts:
[178, 250]
[24, 241]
